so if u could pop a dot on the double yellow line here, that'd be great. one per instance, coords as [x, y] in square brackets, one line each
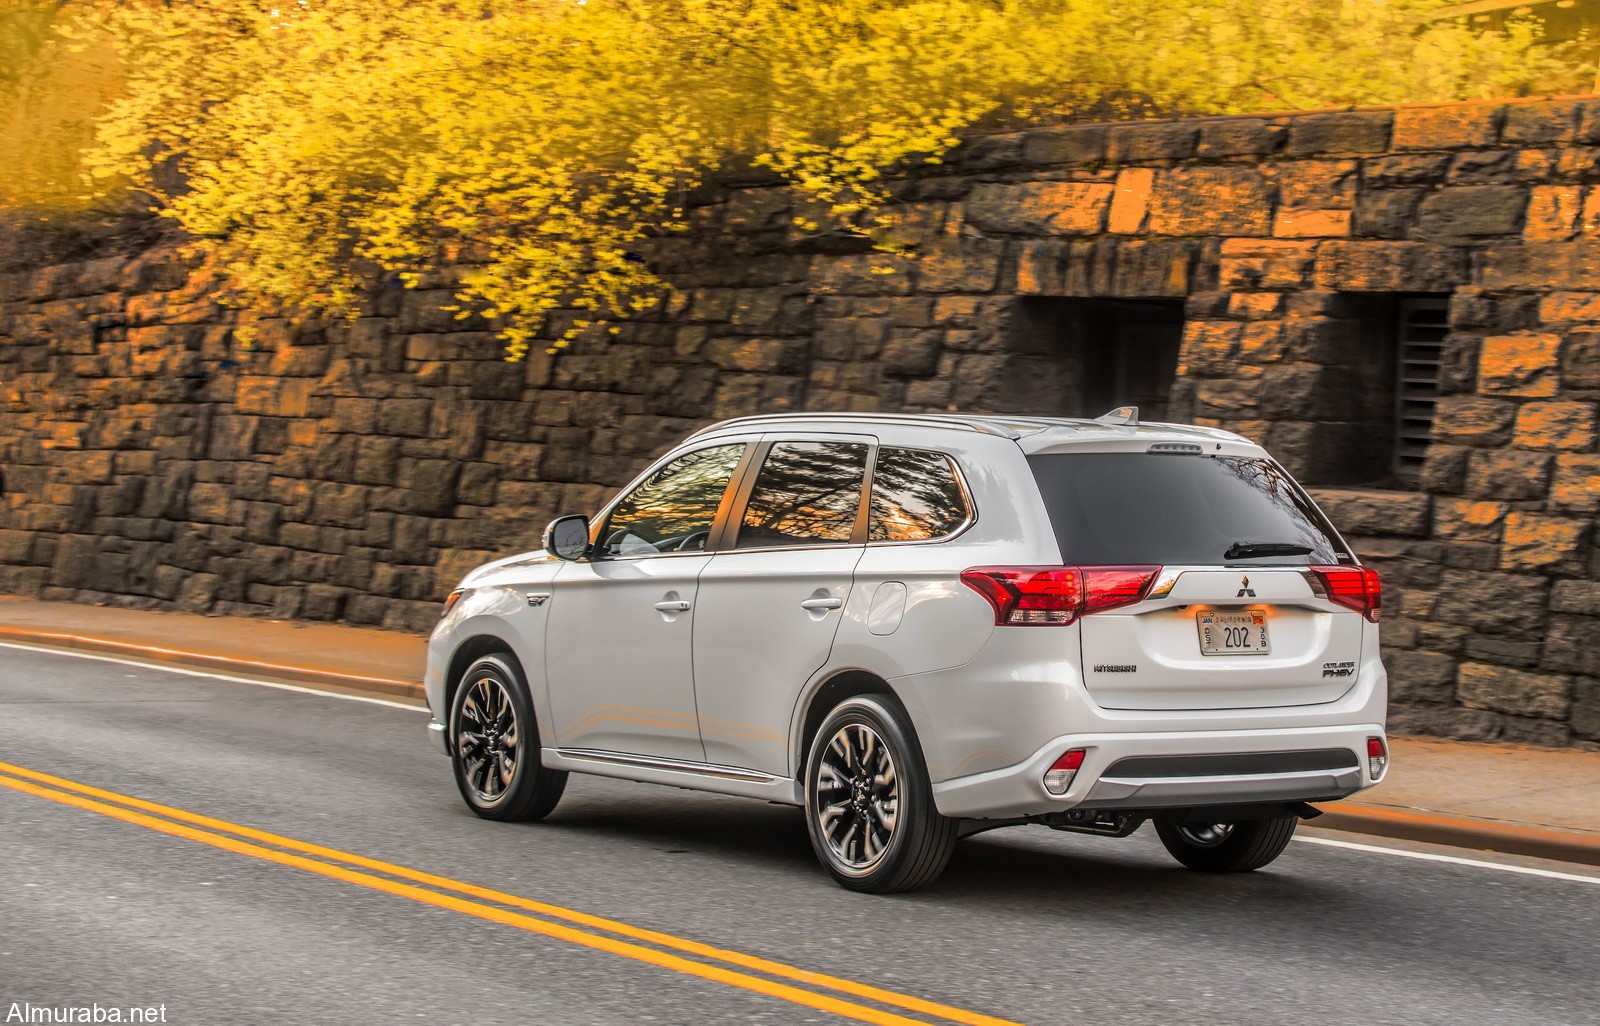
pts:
[648, 946]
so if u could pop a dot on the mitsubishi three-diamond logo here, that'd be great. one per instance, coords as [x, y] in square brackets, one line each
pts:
[1245, 591]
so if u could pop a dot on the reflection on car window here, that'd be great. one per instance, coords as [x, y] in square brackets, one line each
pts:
[1113, 508]
[808, 493]
[674, 508]
[915, 497]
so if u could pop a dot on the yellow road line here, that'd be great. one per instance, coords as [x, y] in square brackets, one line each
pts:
[215, 839]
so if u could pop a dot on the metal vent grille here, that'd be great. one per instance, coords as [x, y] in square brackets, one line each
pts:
[1420, 334]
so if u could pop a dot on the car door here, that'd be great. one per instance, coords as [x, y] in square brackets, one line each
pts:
[619, 640]
[771, 598]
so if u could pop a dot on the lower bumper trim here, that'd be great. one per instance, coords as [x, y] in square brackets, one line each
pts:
[1167, 792]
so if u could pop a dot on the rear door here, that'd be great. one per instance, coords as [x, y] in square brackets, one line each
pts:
[1234, 618]
[771, 599]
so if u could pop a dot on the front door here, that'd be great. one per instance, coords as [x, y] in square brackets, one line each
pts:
[618, 641]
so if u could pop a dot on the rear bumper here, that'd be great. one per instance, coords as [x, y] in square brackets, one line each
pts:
[1141, 771]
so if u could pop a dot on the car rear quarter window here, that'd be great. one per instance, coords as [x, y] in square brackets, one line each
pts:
[673, 509]
[915, 497]
[1116, 508]
[807, 493]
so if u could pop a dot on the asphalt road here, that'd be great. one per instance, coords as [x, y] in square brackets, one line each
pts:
[107, 903]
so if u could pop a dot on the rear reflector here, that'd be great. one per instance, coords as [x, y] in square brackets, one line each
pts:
[1058, 778]
[1043, 596]
[1377, 757]
[1354, 587]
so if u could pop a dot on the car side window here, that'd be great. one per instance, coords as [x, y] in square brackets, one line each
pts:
[807, 493]
[915, 497]
[673, 509]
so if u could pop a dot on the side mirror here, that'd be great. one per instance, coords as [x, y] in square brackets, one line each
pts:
[567, 537]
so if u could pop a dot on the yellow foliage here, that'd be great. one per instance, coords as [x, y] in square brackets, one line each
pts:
[540, 143]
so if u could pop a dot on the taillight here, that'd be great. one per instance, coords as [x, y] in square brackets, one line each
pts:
[1043, 596]
[1058, 778]
[1377, 757]
[1354, 587]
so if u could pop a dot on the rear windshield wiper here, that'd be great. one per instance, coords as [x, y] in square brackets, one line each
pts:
[1248, 550]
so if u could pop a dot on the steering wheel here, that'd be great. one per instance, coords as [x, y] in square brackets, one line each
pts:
[693, 541]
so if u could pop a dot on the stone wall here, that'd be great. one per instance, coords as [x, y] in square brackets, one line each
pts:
[353, 471]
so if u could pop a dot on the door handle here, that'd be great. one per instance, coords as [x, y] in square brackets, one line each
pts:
[822, 603]
[674, 606]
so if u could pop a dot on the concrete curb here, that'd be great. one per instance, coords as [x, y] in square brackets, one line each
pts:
[1459, 832]
[280, 673]
[1376, 821]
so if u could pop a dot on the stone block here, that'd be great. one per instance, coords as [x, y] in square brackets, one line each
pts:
[1580, 361]
[1575, 487]
[1541, 265]
[1382, 266]
[1355, 132]
[1239, 137]
[1474, 421]
[1563, 307]
[1466, 520]
[1553, 213]
[1468, 212]
[1130, 200]
[912, 353]
[1301, 223]
[1501, 689]
[1508, 474]
[1573, 645]
[1543, 122]
[1071, 145]
[967, 265]
[1586, 708]
[1421, 677]
[1362, 511]
[1582, 597]
[1556, 425]
[1164, 140]
[1404, 169]
[1224, 201]
[1535, 542]
[1039, 208]
[1521, 365]
[1450, 127]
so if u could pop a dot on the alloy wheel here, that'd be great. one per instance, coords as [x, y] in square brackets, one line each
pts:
[857, 798]
[487, 738]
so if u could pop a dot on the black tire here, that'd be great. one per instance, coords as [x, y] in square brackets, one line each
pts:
[886, 795]
[1236, 847]
[492, 727]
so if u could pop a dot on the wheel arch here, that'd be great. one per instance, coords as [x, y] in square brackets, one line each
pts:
[469, 652]
[843, 685]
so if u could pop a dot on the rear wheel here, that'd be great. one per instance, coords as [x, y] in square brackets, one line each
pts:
[1236, 847]
[869, 806]
[494, 745]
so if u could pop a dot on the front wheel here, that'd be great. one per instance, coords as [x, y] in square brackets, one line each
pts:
[494, 746]
[1236, 847]
[869, 805]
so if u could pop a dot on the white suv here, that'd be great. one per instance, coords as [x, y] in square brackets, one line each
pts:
[920, 627]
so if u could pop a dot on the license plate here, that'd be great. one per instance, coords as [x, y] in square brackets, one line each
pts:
[1233, 633]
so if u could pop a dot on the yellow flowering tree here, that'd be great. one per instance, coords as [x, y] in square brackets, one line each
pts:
[538, 144]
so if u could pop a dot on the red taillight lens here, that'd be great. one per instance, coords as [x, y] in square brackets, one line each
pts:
[1043, 596]
[1354, 587]
[1377, 757]
[1058, 778]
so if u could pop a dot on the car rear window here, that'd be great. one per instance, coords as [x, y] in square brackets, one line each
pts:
[1112, 508]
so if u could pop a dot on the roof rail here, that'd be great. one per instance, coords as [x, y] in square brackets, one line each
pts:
[982, 425]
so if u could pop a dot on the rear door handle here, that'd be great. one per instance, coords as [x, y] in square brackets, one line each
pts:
[674, 606]
[822, 603]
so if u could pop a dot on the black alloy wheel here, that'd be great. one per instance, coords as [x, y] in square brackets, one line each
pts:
[494, 745]
[1236, 847]
[869, 806]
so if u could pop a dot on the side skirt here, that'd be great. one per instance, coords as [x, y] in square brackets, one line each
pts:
[695, 776]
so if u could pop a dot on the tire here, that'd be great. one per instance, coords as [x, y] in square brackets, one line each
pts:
[492, 728]
[866, 769]
[1236, 847]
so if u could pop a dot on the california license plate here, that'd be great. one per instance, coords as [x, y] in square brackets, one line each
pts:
[1233, 633]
